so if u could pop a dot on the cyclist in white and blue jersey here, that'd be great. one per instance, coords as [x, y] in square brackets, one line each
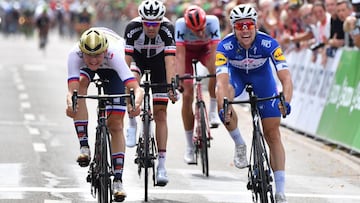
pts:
[245, 56]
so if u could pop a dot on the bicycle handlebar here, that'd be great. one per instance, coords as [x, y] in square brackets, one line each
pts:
[253, 100]
[172, 85]
[103, 97]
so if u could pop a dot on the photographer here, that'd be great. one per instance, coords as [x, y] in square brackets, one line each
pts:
[352, 23]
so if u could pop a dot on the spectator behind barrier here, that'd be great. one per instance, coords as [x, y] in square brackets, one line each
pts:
[352, 23]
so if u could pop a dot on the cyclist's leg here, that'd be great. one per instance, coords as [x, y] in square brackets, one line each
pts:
[186, 112]
[131, 130]
[208, 60]
[270, 115]
[277, 152]
[240, 159]
[81, 119]
[160, 101]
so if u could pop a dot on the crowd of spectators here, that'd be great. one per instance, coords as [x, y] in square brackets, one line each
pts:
[320, 25]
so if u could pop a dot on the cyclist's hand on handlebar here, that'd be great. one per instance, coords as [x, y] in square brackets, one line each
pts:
[173, 96]
[70, 112]
[134, 111]
[285, 110]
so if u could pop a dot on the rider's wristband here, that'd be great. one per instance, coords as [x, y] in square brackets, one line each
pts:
[221, 115]
[288, 108]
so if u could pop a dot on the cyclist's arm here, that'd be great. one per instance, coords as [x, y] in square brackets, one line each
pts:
[286, 82]
[211, 59]
[180, 59]
[139, 96]
[170, 67]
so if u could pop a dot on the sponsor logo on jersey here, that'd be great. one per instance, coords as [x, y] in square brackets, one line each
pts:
[228, 46]
[278, 55]
[266, 43]
[220, 59]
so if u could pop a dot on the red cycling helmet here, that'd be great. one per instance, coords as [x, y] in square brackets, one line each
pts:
[195, 18]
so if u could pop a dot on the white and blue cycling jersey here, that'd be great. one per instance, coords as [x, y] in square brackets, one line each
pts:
[252, 66]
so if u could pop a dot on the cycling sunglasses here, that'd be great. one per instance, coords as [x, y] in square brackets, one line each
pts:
[249, 25]
[151, 23]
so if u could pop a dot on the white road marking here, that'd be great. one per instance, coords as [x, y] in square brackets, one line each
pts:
[25, 105]
[39, 147]
[23, 96]
[33, 131]
[34, 67]
[29, 117]
[56, 201]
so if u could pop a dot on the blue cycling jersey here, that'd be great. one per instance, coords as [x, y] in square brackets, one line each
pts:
[252, 66]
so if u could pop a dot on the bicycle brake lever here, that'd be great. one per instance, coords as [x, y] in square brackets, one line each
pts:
[132, 99]
[74, 99]
[282, 101]
[226, 108]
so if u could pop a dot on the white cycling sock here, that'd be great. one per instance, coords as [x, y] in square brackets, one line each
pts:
[189, 138]
[132, 122]
[279, 177]
[236, 136]
[213, 105]
[161, 159]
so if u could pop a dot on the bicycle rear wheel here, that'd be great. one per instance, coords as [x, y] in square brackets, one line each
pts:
[104, 187]
[203, 142]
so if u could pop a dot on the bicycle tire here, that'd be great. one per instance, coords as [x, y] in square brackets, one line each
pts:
[203, 141]
[104, 176]
[147, 158]
[263, 190]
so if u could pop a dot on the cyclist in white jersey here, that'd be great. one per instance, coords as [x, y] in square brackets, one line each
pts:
[101, 51]
[197, 36]
[244, 56]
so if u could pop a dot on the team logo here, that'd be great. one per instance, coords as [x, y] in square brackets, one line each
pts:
[278, 54]
[220, 59]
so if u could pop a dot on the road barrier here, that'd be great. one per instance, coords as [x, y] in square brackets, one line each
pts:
[326, 99]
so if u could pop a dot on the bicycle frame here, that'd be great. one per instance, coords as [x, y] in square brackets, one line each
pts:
[202, 126]
[101, 168]
[146, 147]
[259, 173]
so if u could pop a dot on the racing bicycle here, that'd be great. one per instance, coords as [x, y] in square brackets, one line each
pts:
[259, 174]
[202, 138]
[146, 150]
[100, 171]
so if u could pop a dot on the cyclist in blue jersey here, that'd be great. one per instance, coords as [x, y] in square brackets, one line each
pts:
[245, 56]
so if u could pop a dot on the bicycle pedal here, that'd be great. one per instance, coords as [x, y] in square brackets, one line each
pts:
[83, 163]
[119, 199]
[160, 184]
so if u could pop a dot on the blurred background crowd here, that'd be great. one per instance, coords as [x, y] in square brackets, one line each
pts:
[320, 25]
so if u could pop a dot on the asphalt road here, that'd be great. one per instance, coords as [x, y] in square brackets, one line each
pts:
[38, 145]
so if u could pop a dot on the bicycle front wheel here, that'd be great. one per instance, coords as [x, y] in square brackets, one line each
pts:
[203, 142]
[147, 158]
[262, 170]
[104, 188]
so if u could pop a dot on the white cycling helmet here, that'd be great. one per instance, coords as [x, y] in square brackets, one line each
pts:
[243, 11]
[152, 10]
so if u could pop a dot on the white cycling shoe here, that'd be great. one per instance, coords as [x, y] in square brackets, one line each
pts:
[240, 160]
[131, 136]
[161, 177]
[189, 156]
[280, 198]
[214, 119]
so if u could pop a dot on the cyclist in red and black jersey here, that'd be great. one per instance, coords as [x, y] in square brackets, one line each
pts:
[150, 45]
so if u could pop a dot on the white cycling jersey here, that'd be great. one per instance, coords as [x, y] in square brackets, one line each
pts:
[114, 58]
